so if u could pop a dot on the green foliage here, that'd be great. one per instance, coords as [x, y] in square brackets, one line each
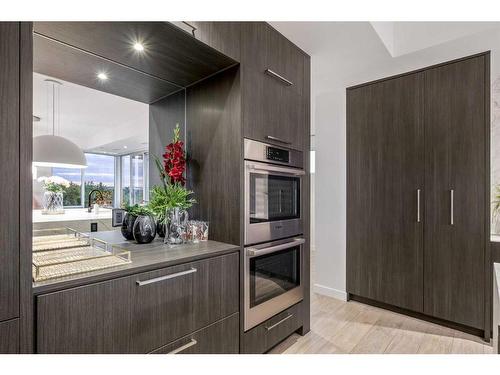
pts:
[170, 196]
[496, 201]
[137, 210]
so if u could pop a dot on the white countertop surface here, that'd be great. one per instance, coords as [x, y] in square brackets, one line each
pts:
[72, 214]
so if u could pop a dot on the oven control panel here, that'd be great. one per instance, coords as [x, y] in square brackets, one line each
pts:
[277, 154]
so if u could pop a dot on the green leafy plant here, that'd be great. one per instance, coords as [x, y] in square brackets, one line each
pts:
[137, 210]
[496, 202]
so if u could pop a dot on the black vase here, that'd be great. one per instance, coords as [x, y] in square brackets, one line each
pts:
[160, 229]
[144, 229]
[128, 226]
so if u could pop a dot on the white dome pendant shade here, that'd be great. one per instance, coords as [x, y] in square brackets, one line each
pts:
[53, 150]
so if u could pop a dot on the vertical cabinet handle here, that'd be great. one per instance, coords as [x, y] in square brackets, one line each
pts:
[191, 343]
[418, 205]
[451, 207]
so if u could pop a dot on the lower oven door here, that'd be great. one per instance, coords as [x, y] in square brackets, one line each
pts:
[273, 279]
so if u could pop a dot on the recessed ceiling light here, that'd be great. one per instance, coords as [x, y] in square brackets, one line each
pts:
[102, 76]
[124, 146]
[138, 47]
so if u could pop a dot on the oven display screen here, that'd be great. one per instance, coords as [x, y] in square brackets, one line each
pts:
[274, 274]
[277, 154]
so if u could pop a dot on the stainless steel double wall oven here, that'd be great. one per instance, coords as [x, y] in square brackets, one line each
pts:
[273, 230]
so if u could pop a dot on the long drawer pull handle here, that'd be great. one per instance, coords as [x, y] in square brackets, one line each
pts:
[451, 207]
[276, 139]
[280, 77]
[278, 323]
[166, 277]
[191, 343]
[418, 205]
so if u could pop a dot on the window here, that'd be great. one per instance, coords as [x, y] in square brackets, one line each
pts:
[100, 175]
[134, 189]
[73, 193]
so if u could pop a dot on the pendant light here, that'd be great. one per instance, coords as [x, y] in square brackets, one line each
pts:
[53, 150]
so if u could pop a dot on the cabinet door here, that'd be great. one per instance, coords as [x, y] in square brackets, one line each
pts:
[9, 170]
[272, 107]
[455, 138]
[385, 171]
[9, 337]
[222, 36]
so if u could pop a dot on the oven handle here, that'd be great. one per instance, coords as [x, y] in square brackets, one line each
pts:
[267, 168]
[253, 252]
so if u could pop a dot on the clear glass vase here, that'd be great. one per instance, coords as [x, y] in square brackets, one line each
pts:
[52, 203]
[176, 221]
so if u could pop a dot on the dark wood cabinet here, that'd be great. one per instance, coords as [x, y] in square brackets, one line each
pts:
[222, 36]
[218, 338]
[268, 334]
[9, 337]
[140, 313]
[273, 98]
[9, 169]
[455, 191]
[418, 191]
[384, 230]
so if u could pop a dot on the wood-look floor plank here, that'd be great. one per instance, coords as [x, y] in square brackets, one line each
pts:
[351, 327]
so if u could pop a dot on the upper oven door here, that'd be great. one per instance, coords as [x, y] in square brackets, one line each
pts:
[272, 202]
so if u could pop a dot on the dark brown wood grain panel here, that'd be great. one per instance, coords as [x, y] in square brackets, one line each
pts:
[306, 202]
[121, 316]
[170, 53]
[223, 36]
[215, 290]
[266, 335]
[454, 275]
[77, 66]
[9, 169]
[214, 146]
[9, 337]
[219, 338]
[385, 169]
[26, 184]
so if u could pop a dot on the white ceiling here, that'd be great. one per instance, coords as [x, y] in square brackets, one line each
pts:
[94, 120]
[347, 53]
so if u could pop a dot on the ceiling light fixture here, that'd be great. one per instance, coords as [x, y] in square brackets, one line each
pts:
[138, 47]
[102, 76]
[53, 150]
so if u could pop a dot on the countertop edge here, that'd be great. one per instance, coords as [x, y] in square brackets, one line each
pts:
[119, 273]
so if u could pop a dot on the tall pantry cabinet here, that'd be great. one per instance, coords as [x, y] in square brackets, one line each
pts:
[418, 192]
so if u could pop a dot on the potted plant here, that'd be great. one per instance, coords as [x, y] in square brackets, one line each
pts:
[53, 199]
[170, 201]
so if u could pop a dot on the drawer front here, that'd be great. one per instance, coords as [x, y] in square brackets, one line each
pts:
[219, 338]
[139, 313]
[266, 335]
[265, 49]
[9, 337]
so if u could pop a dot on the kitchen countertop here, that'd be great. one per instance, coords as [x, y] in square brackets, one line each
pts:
[145, 257]
[72, 214]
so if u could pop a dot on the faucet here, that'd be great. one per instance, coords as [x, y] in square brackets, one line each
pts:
[90, 198]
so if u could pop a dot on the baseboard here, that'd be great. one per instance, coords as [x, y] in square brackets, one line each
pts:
[330, 292]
